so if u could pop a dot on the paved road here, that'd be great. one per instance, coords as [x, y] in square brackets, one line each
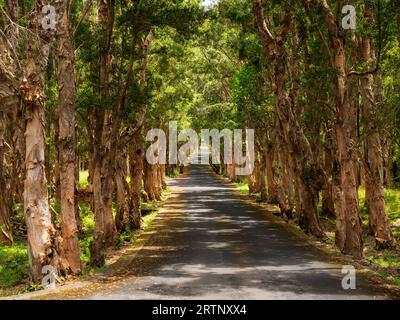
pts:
[208, 244]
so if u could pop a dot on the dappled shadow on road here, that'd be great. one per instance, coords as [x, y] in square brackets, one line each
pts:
[208, 244]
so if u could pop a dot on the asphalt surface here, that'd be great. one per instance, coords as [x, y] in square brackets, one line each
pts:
[209, 244]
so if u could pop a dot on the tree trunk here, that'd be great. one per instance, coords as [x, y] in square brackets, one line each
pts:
[158, 181]
[122, 190]
[328, 206]
[53, 171]
[349, 227]
[162, 172]
[161, 178]
[43, 240]
[149, 181]
[272, 186]
[136, 179]
[17, 156]
[77, 209]
[17, 129]
[5, 196]
[41, 232]
[387, 156]
[285, 196]
[305, 170]
[230, 172]
[66, 141]
[373, 159]
[263, 169]
[103, 186]
[137, 154]
[255, 177]
[348, 220]
[103, 182]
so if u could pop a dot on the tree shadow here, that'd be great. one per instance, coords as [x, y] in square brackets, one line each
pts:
[207, 244]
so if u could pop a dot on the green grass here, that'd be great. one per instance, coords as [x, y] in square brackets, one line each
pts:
[14, 261]
[392, 198]
[83, 179]
[14, 264]
[175, 173]
[242, 187]
[132, 235]
[392, 201]
[389, 262]
[89, 226]
[148, 219]
[386, 260]
[84, 245]
[87, 218]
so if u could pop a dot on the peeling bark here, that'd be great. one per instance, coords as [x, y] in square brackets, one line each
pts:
[272, 185]
[305, 170]
[67, 142]
[5, 196]
[103, 182]
[136, 179]
[123, 195]
[43, 239]
[373, 158]
[328, 205]
[149, 180]
[255, 179]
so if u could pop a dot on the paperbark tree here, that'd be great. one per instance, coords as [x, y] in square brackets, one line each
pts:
[129, 205]
[270, 174]
[123, 194]
[43, 240]
[149, 180]
[136, 170]
[5, 196]
[103, 182]
[255, 179]
[373, 158]
[328, 206]
[67, 139]
[348, 220]
[306, 171]
[10, 101]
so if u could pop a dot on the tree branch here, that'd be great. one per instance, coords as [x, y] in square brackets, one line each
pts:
[265, 33]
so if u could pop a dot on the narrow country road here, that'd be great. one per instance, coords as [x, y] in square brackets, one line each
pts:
[209, 244]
